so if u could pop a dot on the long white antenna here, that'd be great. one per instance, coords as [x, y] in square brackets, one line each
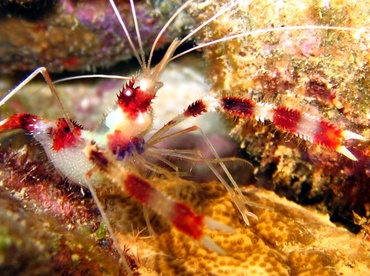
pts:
[192, 33]
[94, 76]
[141, 49]
[205, 23]
[123, 25]
[179, 10]
[262, 31]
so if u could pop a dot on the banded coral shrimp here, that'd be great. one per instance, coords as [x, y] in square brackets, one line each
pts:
[102, 157]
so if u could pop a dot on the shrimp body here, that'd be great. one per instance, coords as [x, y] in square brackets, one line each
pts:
[86, 157]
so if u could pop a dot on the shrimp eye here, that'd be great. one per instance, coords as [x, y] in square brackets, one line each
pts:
[133, 99]
[128, 92]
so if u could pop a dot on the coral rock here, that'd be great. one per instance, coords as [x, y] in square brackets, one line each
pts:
[318, 71]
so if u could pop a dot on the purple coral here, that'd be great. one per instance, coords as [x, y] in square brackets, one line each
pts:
[75, 35]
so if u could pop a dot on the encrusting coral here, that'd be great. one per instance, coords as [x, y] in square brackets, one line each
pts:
[75, 35]
[286, 239]
[312, 56]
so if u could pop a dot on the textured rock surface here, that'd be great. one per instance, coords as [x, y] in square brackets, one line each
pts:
[75, 35]
[46, 224]
[286, 240]
[321, 72]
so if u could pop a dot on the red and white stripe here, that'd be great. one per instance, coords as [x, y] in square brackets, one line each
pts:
[308, 127]
[313, 129]
[180, 215]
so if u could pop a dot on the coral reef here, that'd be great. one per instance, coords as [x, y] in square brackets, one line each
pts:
[320, 71]
[75, 35]
[286, 239]
[46, 222]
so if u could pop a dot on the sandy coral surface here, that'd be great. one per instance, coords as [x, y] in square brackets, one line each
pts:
[287, 239]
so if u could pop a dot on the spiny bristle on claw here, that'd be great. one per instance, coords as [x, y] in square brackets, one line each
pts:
[308, 127]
